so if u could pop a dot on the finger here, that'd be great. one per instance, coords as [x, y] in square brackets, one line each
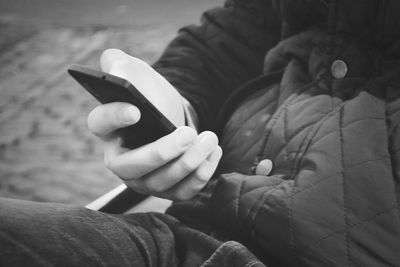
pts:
[106, 118]
[136, 71]
[264, 167]
[109, 57]
[140, 161]
[147, 80]
[112, 149]
[193, 183]
[171, 174]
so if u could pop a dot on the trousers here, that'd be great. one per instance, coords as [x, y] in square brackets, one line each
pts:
[48, 234]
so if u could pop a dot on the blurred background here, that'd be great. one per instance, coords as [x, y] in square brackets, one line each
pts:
[46, 151]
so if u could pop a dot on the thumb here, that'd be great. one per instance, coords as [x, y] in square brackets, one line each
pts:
[111, 56]
[264, 167]
[136, 71]
[148, 81]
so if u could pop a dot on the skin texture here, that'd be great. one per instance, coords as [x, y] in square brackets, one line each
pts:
[176, 166]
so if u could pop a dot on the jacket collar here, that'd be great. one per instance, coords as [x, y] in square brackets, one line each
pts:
[298, 15]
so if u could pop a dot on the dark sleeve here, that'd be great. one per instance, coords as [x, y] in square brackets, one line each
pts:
[207, 62]
[302, 222]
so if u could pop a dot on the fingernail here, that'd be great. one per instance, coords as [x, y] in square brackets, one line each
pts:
[207, 142]
[130, 115]
[185, 137]
[264, 167]
[215, 155]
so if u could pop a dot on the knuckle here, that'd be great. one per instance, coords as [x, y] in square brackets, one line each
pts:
[202, 174]
[154, 186]
[187, 165]
[207, 169]
[161, 155]
[184, 195]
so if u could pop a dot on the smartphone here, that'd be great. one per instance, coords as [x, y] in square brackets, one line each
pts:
[108, 88]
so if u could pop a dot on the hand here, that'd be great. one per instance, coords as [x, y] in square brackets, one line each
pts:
[149, 82]
[176, 166]
[264, 167]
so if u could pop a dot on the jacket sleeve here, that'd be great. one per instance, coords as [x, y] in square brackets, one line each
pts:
[255, 210]
[307, 222]
[206, 63]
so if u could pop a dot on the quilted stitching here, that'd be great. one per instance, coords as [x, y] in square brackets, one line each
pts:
[333, 196]
[330, 130]
[343, 176]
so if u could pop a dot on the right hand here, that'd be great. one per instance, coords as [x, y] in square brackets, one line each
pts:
[178, 165]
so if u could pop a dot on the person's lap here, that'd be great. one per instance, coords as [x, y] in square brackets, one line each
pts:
[38, 234]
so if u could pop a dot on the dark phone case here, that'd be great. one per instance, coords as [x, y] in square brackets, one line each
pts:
[108, 88]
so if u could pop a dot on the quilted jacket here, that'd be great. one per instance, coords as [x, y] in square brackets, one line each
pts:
[315, 87]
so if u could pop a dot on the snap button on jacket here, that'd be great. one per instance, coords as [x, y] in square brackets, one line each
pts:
[339, 69]
[313, 86]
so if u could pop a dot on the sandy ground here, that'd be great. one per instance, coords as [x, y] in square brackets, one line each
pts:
[105, 12]
[46, 151]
